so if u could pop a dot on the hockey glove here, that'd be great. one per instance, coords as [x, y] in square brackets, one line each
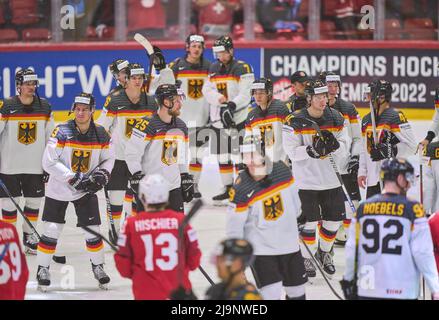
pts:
[383, 151]
[158, 59]
[187, 187]
[79, 181]
[349, 289]
[98, 180]
[353, 165]
[330, 141]
[134, 181]
[226, 113]
[45, 177]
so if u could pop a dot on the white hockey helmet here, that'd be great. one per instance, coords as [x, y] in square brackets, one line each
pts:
[153, 189]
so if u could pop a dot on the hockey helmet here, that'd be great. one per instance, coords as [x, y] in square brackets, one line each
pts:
[134, 69]
[299, 76]
[264, 84]
[393, 167]
[194, 38]
[25, 75]
[84, 98]
[117, 66]
[223, 43]
[329, 76]
[380, 88]
[316, 87]
[235, 248]
[153, 189]
[167, 91]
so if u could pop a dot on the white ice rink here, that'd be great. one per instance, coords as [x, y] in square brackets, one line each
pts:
[210, 225]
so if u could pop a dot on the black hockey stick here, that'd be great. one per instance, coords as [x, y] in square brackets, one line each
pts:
[115, 248]
[113, 233]
[321, 271]
[283, 89]
[5, 251]
[57, 259]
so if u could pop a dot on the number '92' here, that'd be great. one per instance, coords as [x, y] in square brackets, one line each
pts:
[253, 309]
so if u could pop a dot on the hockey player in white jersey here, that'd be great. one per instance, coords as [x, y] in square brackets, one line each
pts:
[320, 192]
[349, 170]
[26, 122]
[228, 93]
[79, 158]
[192, 71]
[266, 119]
[160, 146]
[263, 209]
[434, 128]
[394, 246]
[394, 137]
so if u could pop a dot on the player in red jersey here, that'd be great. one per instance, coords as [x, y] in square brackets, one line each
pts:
[148, 245]
[13, 267]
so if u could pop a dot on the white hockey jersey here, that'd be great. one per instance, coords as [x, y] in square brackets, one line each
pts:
[310, 173]
[265, 212]
[24, 131]
[68, 152]
[233, 82]
[391, 120]
[395, 248]
[195, 109]
[157, 147]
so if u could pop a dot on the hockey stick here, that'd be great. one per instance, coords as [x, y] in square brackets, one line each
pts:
[283, 89]
[150, 50]
[321, 271]
[57, 259]
[5, 251]
[113, 233]
[97, 234]
[421, 200]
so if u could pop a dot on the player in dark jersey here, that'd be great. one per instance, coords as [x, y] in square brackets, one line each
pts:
[26, 122]
[297, 101]
[231, 257]
[118, 69]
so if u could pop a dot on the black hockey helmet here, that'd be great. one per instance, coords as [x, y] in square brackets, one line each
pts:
[25, 75]
[167, 91]
[194, 38]
[234, 248]
[263, 83]
[299, 76]
[315, 87]
[380, 88]
[393, 167]
[84, 98]
[329, 76]
[117, 66]
[134, 69]
[223, 43]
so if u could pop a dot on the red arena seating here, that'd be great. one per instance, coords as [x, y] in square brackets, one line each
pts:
[420, 29]
[24, 11]
[36, 34]
[8, 35]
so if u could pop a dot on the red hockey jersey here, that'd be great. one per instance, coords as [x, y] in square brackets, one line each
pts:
[434, 227]
[13, 267]
[149, 254]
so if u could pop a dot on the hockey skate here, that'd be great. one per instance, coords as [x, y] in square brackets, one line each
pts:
[326, 262]
[30, 243]
[310, 269]
[101, 276]
[43, 278]
[223, 198]
[197, 194]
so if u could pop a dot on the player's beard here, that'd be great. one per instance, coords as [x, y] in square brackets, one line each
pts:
[174, 112]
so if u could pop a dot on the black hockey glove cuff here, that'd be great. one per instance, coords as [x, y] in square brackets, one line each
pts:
[227, 117]
[312, 152]
[45, 177]
[353, 165]
[383, 151]
[187, 187]
[349, 289]
[134, 181]
[98, 180]
[330, 141]
[79, 181]
[430, 136]
[158, 59]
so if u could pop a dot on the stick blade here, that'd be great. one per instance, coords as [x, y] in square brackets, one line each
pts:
[144, 42]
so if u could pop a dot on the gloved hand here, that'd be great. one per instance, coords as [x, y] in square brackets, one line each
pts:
[45, 177]
[353, 165]
[226, 113]
[80, 182]
[330, 141]
[134, 181]
[98, 180]
[382, 151]
[350, 290]
[322, 146]
[158, 59]
[187, 187]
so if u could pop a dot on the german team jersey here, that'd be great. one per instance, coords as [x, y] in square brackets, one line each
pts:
[267, 124]
[296, 102]
[233, 82]
[394, 122]
[69, 152]
[394, 248]
[195, 109]
[119, 116]
[24, 131]
[265, 212]
[310, 173]
[157, 147]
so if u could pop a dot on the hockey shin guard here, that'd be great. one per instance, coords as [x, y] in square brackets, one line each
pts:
[272, 291]
[308, 235]
[9, 212]
[295, 293]
[95, 246]
[31, 210]
[48, 242]
[116, 204]
[327, 234]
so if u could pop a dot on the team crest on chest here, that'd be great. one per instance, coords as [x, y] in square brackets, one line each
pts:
[27, 132]
[169, 152]
[81, 160]
[222, 88]
[129, 125]
[194, 87]
[273, 208]
[267, 134]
